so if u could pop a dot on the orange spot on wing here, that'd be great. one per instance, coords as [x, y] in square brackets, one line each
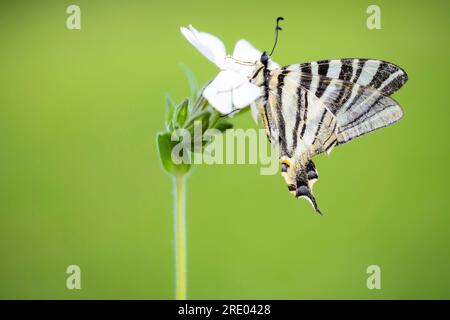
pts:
[285, 161]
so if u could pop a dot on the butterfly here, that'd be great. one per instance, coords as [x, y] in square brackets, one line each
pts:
[308, 108]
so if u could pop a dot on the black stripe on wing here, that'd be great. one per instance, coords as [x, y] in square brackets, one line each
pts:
[358, 109]
[381, 75]
[366, 109]
[280, 118]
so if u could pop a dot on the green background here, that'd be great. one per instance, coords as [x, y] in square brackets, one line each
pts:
[81, 182]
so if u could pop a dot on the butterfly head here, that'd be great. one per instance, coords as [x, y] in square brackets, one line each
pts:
[264, 59]
[300, 179]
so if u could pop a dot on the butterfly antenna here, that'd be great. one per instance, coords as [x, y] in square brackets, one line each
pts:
[277, 28]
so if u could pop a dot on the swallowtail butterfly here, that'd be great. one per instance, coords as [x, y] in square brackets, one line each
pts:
[310, 108]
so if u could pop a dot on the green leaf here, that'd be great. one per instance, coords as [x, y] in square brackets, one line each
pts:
[181, 113]
[222, 126]
[170, 107]
[193, 84]
[205, 120]
[204, 117]
[165, 146]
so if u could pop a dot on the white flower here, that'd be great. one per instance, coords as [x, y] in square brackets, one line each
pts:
[231, 89]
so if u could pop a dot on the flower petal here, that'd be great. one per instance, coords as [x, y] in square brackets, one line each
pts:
[219, 91]
[210, 46]
[254, 111]
[244, 51]
[230, 91]
[245, 94]
[245, 69]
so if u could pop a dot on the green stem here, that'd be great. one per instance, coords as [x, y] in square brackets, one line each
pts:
[180, 236]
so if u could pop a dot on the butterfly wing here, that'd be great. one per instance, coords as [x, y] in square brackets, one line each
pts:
[301, 124]
[310, 113]
[381, 75]
[358, 109]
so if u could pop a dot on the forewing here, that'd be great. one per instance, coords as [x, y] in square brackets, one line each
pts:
[384, 76]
